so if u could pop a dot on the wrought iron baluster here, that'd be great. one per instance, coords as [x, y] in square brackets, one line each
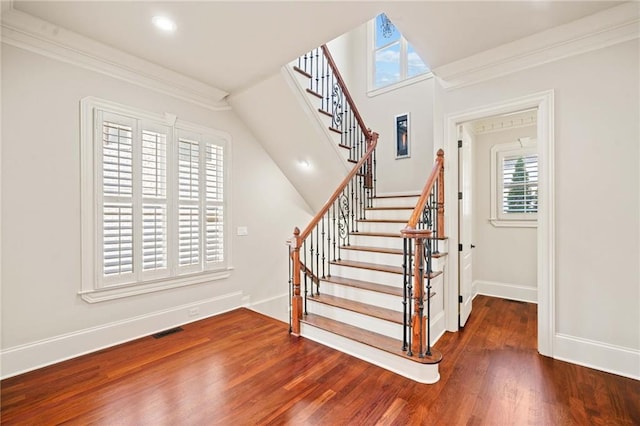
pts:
[410, 298]
[353, 222]
[333, 208]
[316, 272]
[323, 241]
[310, 267]
[405, 255]
[429, 271]
[420, 295]
[304, 249]
[317, 90]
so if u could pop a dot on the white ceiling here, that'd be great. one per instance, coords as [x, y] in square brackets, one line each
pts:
[233, 45]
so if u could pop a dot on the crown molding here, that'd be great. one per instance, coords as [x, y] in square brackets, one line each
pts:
[505, 122]
[611, 26]
[27, 32]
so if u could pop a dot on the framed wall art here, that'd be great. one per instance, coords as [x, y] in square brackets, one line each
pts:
[402, 136]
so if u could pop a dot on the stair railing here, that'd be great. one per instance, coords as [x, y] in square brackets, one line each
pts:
[421, 234]
[327, 84]
[312, 250]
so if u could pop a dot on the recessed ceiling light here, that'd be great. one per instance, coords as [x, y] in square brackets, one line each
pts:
[164, 23]
[304, 164]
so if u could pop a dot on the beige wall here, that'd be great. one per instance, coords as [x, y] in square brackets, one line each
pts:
[503, 255]
[40, 233]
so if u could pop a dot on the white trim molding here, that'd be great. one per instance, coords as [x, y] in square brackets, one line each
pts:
[27, 32]
[506, 291]
[601, 356]
[544, 103]
[23, 358]
[611, 26]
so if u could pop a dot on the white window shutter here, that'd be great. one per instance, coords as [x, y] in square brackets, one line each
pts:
[117, 197]
[214, 182]
[189, 203]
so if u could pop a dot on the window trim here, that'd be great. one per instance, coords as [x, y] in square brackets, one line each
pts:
[371, 69]
[498, 218]
[92, 287]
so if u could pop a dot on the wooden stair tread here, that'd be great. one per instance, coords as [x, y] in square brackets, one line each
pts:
[376, 267]
[386, 234]
[379, 234]
[359, 307]
[364, 285]
[344, 146]
[366, 265]
[390, 208]
[373, 249]
[316, 94]
[387, 250]
[333, 129]
[321, 111]
[303, 72]
[397, 196]
[370, 338]
[382, 221]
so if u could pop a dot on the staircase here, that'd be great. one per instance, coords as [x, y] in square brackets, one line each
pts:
[358, 309]
[367, 272]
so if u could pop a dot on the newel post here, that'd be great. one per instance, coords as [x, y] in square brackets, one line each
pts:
[296, 299]
[418, 318]
[440, 221]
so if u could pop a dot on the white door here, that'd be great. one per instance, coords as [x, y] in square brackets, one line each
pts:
[465, 257]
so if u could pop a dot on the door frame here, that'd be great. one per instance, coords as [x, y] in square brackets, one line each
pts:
[544, 102]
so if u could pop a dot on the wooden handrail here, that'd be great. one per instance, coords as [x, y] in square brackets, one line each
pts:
[436, 172]
[370, 148]
[343, 86]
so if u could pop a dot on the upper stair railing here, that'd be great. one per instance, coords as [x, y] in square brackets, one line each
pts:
[326, 83]
[421, 236]
[312, 250]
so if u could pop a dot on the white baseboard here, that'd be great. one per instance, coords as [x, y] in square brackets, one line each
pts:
[31, 356]
[275, 307]
[505, 291]
[600, 356]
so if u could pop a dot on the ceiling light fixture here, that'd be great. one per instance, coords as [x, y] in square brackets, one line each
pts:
[304, 164]
[164, 23]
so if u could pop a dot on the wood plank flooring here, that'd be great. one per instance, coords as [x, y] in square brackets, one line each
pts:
[242, 368]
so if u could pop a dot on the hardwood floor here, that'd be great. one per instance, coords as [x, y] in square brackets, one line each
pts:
[243, 368]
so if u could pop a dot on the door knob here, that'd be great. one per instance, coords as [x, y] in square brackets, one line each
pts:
[472, 246]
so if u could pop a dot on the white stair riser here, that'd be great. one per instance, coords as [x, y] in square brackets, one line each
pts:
[395, 202]
[356, 319]
[372, 257]
[389, 242]
[388, 214]
[388, 301]
[383, 242]
[380, 227]
[379, 277]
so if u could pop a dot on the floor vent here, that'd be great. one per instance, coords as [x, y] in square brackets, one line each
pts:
[167, 332]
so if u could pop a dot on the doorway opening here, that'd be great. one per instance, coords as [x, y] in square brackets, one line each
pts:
[497, 209]
[542, 104]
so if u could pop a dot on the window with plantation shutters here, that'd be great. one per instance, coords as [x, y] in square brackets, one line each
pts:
[520, 184]
[154, 208]
[514, 196]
